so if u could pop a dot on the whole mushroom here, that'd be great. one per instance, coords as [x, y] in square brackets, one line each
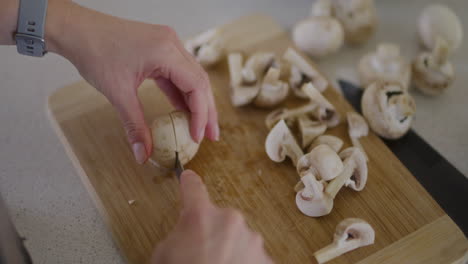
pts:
[206, 47]
[439, 21]
[350, 234]
[432, 71]
[388, 108]
[386, 64]
[171, 134]
[358, 17]
[322, 24]
[302, 72]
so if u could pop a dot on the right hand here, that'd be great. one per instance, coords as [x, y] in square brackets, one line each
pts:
[208, 234]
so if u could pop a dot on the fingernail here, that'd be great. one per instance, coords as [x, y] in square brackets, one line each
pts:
[217, 132]
[201, 134]
[139, 152]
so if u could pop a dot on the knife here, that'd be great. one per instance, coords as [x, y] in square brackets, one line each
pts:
[447, 185]
[178, 167]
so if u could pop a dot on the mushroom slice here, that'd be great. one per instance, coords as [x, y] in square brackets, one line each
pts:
[354, 169]
[288, 115]
[309, 130]
[302, 72]
[350, 234]
[439, 21]
[325, 112]
[242, 93]
[311, 200]
[432, 72]
[256, 66]
[280, 143]
[386, 64]
[358, 17]
[206, 47]
[388, 108]
[333, 142]
[272, 91]
[357, 128]
[322, 161]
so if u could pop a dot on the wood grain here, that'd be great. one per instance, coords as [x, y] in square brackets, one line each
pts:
[238, 173]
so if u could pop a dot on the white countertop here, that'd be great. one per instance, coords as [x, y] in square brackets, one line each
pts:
[46, 199]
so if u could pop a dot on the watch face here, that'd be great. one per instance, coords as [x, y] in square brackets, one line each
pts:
[30, 45]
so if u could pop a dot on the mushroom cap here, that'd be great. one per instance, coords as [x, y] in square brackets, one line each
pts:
[388, 108]
[333, 142]
[357, 125]
[171, 133]
[272, 91]
[386, 64]
[438, 20]
[314, 205]
[354, 229]
[206, 47]
[432, 72]
[280, 142]
[309, 130]
[322, 161]
[329, 29]
[358, 180]
[301, 71]
[358, 17]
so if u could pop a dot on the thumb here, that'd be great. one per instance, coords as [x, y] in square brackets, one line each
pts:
[193, 191]
[138, 134]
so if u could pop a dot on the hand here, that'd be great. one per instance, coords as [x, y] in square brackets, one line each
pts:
[116, 55]
[208, 234]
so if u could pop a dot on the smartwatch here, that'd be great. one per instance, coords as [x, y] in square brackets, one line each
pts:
[29, 34]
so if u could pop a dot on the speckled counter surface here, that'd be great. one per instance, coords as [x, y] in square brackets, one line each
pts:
[46, 199]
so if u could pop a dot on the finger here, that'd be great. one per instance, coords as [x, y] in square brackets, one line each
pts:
[193, 191]
[193, 84]
[138, 134]
[212, 130]
[174, 95]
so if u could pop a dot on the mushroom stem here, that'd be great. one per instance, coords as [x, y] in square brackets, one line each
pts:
[336, 184]
[441, 51]
[358, 144]
[293, 151]
[334, 250]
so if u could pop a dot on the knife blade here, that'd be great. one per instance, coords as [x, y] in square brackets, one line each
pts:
[178, 167]
[447, 185]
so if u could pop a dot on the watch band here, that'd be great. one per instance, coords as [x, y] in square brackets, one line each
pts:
[30, 31]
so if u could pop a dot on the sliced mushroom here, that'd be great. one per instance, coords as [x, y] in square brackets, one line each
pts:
[358, 17]
[256, 66]
[288, 115]
[388, 108]
[273, 91]
[322, 24]
[432, 72]
[350, 234]
[439, 21]
[311, 200]
[325, 112]
[333, 142]
[354, 170]
[357, 128]
[280, 143]
[302, 72]
[386, 64]
[309, 130]
[242, 93]
[206, 47]
[322, 162]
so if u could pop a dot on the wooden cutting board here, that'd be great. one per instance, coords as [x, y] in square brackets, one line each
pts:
[410, 226]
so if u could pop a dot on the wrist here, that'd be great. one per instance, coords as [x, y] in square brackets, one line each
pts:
[8, 21]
